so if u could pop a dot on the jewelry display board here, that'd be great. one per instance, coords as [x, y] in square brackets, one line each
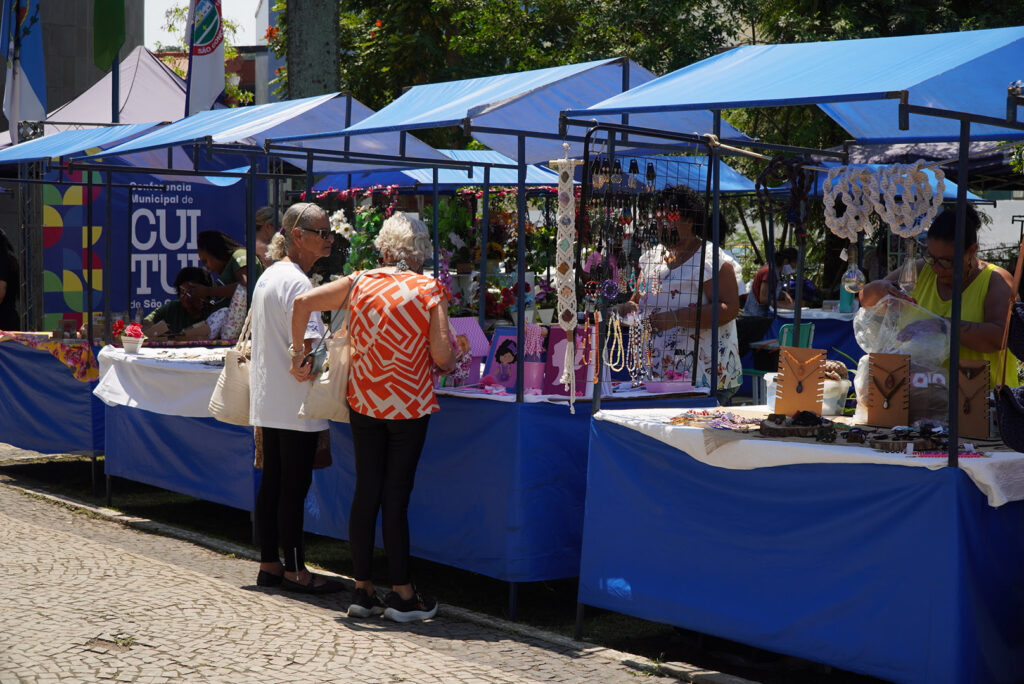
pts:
[888, 397]
[801, 380]
[973, 399]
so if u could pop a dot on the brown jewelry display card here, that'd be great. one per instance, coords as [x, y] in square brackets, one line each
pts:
[973, 399]
[801, 380]
[888, 399]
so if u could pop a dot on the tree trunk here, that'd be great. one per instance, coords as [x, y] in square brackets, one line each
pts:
[314, 65]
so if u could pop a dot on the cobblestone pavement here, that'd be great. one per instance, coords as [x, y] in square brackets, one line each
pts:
[85, 599]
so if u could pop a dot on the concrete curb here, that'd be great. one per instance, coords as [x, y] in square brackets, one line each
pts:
[681, 671]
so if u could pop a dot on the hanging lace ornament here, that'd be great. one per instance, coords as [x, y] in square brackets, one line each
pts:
[565, 272]
[856, 186]
[918, 202]
[854, 279]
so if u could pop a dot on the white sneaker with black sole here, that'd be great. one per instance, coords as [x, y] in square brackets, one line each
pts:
[419, 607]
[365, 604]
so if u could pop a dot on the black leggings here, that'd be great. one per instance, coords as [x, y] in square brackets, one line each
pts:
[287, 474]
[386, 452]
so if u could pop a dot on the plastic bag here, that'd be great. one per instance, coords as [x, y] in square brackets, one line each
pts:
[896, 326]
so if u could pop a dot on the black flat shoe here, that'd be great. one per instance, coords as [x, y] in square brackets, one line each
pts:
[328, 587]
[268, 579]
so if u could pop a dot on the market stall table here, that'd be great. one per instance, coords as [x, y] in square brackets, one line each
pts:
[838, 554]
[160, 432]
[48, 402]
[499, 488]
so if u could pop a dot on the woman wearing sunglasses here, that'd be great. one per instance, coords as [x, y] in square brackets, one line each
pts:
[987, 292]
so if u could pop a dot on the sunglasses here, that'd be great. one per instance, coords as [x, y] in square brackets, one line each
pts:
[937, 261]
[325, 233]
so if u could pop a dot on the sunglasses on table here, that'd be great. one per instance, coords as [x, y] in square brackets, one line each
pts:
[324, 233]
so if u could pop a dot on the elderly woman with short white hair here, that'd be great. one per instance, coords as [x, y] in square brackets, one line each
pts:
[399, 331]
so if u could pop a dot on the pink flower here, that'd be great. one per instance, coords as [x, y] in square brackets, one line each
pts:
[133, 330]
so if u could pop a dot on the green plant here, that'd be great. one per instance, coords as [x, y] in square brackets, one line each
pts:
[362, 254]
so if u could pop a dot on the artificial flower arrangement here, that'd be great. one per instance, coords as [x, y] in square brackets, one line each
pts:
[131, 336]
[546, 297]
[341, 226]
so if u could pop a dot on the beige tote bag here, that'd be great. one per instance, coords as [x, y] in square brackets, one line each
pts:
[327, 395]
[230, 400]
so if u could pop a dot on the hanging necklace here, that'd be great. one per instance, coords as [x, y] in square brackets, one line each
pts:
[799, 367]
[614, 351]
[889, 373]
[886, 396]
[966, 406]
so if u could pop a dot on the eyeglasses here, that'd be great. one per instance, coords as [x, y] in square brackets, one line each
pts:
[324, 233]
[937, 261]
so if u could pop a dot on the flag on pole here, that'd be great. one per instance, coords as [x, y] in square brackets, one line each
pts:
[21, 43]
[205, 82]
[107, 31]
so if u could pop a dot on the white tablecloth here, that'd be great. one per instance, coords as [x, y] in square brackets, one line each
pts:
[1000, 475]
[171, 381]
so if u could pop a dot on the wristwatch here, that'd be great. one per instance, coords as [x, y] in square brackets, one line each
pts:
[293, 352]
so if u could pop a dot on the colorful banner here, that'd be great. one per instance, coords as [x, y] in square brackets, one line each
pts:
[161, 231]
[205, 28]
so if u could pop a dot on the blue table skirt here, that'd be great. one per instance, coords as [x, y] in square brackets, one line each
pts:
[898, 572]
[44, 408]
[499, 489]
[200, 457]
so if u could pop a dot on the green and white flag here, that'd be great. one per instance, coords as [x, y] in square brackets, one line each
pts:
[205, 81]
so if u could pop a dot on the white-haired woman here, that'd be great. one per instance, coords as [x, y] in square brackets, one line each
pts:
[289, 442]
[399, 328]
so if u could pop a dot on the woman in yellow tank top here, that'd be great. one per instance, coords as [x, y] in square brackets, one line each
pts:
[987, 293]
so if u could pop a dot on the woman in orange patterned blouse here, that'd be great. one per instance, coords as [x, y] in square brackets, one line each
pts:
[399, 330]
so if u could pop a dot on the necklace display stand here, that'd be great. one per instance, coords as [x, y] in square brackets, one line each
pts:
[973, 400]
[888, 397]
[801, 380]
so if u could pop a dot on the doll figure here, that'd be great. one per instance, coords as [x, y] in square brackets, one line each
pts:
[505, 357]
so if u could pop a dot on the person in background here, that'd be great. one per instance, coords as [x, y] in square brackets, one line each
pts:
[671, 273]
[226, 259]
[987, 293]
[266, 225]
[289, 442]
[399, 329]
[759, 298]
[181, 314]
[10, 285]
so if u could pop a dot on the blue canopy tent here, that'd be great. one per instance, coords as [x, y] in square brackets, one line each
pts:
[448, 180]
[954, 86]
[497, 109]
[517, 115]
[72, 142]
[247, 128]
[858, 83]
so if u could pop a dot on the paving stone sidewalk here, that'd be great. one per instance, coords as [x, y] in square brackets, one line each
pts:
[86, 599]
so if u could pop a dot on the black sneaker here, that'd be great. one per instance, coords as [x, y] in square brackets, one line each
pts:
[419, 607]
[365, 604]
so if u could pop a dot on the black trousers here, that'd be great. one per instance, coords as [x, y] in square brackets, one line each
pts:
[287, 474]
[386, 452]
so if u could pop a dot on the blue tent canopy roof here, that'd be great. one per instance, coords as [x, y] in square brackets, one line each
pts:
[967, 71]
[448, 179]
[527, 102]
[71, 142]
[251, 126]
